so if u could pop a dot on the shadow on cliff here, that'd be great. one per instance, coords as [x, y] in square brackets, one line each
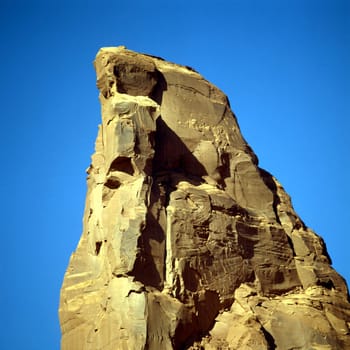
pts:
[150, 262]
[173, 157]
[173, 162]
[160, 87]
[171, 153]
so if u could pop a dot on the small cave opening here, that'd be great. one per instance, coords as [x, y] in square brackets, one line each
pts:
[325, 282]
[98, 245]
[113, 183]
[123, 164]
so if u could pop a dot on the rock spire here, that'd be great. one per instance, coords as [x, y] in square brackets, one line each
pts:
[187, 243]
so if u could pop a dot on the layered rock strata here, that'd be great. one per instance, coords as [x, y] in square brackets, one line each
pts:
[187, 243]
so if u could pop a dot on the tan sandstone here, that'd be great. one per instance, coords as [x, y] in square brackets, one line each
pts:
[187, 243]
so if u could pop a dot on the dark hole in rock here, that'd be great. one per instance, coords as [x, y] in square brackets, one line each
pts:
[113, 183]
[98, 247]
[327, 283]
[122, 164]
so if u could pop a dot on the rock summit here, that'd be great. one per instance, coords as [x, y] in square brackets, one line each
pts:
[187, 243]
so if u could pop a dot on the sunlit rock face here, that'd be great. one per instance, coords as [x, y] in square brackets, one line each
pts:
[187, 243]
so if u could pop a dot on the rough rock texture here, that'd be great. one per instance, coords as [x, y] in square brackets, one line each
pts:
[187, 243]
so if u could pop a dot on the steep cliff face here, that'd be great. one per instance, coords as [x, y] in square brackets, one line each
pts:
[187, 243]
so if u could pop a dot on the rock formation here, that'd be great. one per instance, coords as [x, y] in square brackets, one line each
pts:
[187, 243]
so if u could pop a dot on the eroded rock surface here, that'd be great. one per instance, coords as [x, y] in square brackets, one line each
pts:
[187, 243]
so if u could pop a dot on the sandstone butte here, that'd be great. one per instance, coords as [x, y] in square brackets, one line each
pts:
[187, 243]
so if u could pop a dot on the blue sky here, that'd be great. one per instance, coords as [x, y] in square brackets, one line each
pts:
[283, 64]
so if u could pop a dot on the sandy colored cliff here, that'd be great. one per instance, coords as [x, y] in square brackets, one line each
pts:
[187, 243]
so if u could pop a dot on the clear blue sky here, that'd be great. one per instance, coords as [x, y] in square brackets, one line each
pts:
[285, 66]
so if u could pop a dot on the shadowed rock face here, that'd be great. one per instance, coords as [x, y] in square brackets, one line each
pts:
[187, 243]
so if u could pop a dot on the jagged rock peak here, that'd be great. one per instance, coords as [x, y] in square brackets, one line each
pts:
[187, 243]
